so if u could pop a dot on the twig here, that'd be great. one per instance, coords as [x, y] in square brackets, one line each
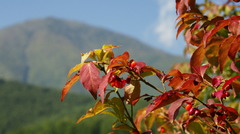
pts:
[128, 115]
[146, 82]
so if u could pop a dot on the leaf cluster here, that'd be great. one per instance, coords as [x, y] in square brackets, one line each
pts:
[207, 89]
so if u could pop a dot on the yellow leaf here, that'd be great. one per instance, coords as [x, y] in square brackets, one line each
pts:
[86, 55]
[99, 53]
[97, 109]
[75, 68]
[106, 47]
[68, 85]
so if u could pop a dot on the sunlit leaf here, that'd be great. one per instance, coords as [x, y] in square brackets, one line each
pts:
[200, 70]
[85, 56]
[74, 69]
[99, 53]
[106, 47]
[234, 26]
[132, 92]
[97, 109]
[119, 61]
[68, 85]
[89, 77]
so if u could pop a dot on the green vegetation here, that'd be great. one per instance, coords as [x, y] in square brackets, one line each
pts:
[31, 109]
[40, 52]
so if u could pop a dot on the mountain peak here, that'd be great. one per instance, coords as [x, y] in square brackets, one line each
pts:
[41, 51]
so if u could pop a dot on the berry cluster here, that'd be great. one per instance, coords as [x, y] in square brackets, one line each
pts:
[191, 110]
[115, 81]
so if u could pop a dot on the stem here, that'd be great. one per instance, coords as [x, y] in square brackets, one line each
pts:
[146, 82]
[131, 110]
[210, 125]
[127, 113]
[228, 124]
[201, 102]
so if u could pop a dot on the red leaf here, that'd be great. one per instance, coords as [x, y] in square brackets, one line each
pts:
[68, 85]
[216, 81]
[139, 66]
[174, 107]
[232, 113]
[234, 66]
[163, 100]
[200, 70]
[197, 57]
[228, 82]
[103, 85]
[119, 61]
[219, 94]
[89, 77]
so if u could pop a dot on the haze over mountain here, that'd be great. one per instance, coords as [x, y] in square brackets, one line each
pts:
[42, 51]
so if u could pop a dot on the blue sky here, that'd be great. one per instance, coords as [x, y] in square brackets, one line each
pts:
[150, 21]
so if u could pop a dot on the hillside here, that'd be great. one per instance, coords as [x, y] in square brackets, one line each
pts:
[31, 109]
[42, 51]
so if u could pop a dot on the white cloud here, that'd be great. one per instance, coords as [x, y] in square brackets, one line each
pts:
[165, 27]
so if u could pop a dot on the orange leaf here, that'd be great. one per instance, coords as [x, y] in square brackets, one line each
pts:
[68, 85]
[234, 48]
[197, 57]
[223, 51]
[119, 61]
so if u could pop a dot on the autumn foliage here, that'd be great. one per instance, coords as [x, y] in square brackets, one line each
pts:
[204, 99]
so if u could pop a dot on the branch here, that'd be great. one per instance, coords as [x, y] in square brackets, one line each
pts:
[146, 82]
[130, 118]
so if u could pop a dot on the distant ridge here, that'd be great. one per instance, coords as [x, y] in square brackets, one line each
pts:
[41, 51]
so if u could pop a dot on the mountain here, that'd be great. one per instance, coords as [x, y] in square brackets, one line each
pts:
[42, 51]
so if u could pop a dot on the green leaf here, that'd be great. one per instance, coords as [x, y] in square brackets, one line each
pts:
[195, 128]
[117, 105]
